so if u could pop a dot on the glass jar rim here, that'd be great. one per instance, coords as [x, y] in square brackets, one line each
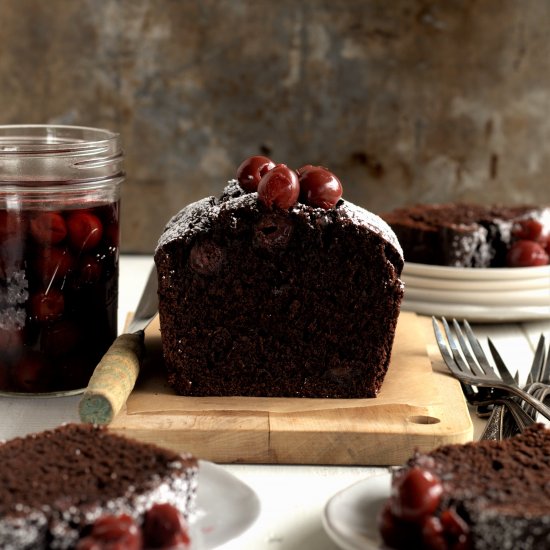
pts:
[18, 139]
[38, 155]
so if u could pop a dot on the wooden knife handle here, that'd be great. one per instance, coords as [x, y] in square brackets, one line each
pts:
[113, 380]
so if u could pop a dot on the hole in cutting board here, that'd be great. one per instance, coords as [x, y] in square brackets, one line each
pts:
[423, 419]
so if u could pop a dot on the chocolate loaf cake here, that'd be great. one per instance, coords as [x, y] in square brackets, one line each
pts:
[468, 235]
[262, 298]
[55, 484]
[480, 496]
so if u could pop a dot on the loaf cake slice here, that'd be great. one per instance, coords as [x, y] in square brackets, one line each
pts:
[262, 300]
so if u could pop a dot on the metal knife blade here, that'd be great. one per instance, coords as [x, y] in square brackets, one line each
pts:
[148, 304]
[501, 366]
[116, 374]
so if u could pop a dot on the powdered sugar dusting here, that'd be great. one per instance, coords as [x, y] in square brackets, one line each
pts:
[198, 217]
[375, 223]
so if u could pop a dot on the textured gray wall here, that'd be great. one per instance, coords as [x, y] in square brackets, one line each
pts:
[406, 100]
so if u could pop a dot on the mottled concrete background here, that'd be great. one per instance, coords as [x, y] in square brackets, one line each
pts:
[406, 100]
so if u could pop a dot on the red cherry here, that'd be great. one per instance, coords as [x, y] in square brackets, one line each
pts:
[53, 264]
[85, 230]
[112, 533]
[48, 228]
[525, 253]
[303, 169]
[416, 494]
[47, 305]
[433, 535]
[273, 232]
[319, 187]
[396, 532]
[89, 270]
[206, 257]
[456, 529]
[32, 372]
[250, 172]
[164, 527]
[279, 187]
[530, 230]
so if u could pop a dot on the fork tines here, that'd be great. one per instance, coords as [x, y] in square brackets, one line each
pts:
[461, 355]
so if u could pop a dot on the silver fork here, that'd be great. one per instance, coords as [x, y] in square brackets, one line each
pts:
[495, 426]
[537, 384]
[538, 379]
[505, 418]
[480, 373]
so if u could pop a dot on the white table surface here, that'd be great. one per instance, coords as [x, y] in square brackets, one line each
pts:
[292, 497]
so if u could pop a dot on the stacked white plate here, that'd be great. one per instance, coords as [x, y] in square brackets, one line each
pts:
[477, 294]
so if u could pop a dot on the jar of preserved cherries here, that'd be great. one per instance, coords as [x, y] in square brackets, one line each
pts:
[59, 246]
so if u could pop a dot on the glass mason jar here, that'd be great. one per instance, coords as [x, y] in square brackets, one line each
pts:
[59, 247]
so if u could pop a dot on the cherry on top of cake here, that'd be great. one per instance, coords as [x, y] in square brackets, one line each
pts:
[279, 185]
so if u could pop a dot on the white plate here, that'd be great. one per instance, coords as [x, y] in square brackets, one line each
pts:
[535, 283]
[514, 298]
[479, 295]
[487, 274]
[350, 516]
[478, 313]
[227, 507]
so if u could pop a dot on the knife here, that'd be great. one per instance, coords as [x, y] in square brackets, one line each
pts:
[505, 374]
[115, 376]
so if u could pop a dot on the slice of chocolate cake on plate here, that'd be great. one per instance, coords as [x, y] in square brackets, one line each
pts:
[79, 485]
[483, 495]
[473, 235]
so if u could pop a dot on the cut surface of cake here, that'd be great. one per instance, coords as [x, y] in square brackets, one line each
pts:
[55, 484]
[258, 299]
[472, 235]
[481, 496]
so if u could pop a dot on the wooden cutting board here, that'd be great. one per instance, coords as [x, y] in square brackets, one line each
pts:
[419, 406]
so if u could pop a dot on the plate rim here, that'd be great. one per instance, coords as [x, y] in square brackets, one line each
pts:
[373, 542]
[477, 285]
[478, 313]
[209, 537]
[487, 273]
[514, 299]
